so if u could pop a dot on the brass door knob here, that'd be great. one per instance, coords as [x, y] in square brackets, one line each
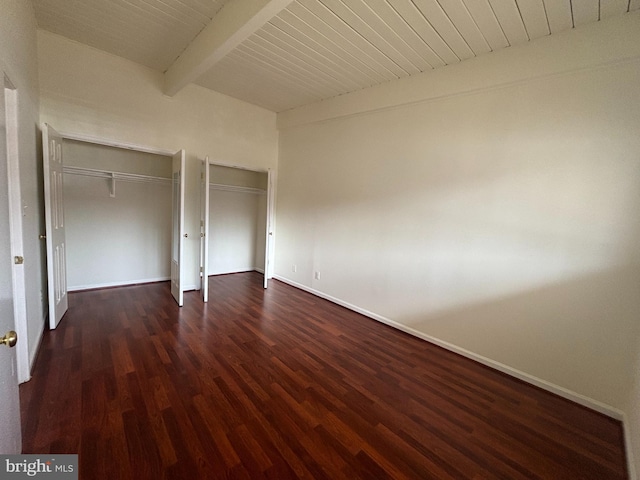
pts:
[42, 237]
[10, 339]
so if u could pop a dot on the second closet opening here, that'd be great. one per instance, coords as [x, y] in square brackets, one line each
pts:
[237, 220]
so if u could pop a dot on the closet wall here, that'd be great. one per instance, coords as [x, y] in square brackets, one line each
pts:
[237, 213]
[117, 240]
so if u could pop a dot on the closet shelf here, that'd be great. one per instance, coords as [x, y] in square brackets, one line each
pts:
[124, 177]
[114, 176]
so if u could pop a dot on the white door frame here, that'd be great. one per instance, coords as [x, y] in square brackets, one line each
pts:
[17, 239]
[270, 223]
[117, 144]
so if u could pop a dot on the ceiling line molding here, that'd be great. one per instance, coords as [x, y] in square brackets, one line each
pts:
[471, 91]
[233, 24]
[604, 44]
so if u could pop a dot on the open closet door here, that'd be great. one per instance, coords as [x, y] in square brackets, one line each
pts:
[177, 245]
[269, 228]
[54, 218]
[204, 229]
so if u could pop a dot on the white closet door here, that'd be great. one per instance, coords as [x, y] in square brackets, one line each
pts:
[204, 229]
[177, 244]
[269, 228]
[54, 218]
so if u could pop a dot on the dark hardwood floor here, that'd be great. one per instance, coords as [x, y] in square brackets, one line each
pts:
[281, 384]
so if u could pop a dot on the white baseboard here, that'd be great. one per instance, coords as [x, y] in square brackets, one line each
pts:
[525, 377]
[631, 466]
[533, 380]
[78, 288]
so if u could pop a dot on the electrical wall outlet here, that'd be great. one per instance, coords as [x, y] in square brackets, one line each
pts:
[294, 268]
[317, 275]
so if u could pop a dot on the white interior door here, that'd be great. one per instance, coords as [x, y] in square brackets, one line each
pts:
[10, 436]
[269, 228]
[17, 244]
[204, 230]
[54, 218]
[178, 234]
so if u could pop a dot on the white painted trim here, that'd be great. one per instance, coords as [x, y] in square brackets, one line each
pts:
[237, 189]
[285, 125]
[78, 137]
[538, 382]
[79, 288]
[259, 270]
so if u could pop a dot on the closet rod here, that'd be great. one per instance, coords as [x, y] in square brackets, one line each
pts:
[236, 188]
[124, 177]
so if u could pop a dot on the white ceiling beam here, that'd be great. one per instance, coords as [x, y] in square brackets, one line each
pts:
[233, 24]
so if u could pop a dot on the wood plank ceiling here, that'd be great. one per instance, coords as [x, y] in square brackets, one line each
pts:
[317, 49]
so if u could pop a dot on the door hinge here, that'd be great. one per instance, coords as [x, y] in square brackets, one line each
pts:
[18, 260]
[200, 269]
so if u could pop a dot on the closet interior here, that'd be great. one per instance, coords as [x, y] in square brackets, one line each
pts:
[117, 206]
[237, 220]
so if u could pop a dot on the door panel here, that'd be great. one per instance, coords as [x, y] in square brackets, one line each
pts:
[269, 229]
[15, 214]
[204, 230]
[54, 218]
[178, 235]
[10, 437]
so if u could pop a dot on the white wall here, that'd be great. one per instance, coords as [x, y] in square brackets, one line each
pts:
[118, 240]
[18, 61]
[88, 92]
[500, 219]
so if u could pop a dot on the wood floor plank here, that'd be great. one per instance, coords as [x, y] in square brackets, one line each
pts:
[280, 384]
